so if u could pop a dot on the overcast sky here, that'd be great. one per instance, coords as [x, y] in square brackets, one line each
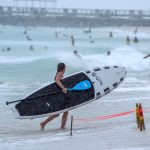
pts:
[100, 4]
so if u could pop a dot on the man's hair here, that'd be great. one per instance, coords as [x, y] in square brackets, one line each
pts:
[60, 67]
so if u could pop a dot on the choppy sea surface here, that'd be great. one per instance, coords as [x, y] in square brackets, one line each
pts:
[28, 60]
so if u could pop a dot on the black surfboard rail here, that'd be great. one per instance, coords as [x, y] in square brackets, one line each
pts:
[42, 102]
[7, 103]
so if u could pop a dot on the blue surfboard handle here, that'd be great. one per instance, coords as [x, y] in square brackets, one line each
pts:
[84, 85]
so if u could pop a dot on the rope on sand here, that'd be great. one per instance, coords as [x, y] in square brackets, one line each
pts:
[104, 117]
[146, 110]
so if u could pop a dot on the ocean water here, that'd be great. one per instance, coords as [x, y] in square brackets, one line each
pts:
[22, 71]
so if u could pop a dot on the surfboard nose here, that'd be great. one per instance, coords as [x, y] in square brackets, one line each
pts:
[125, 70]
[122, 72]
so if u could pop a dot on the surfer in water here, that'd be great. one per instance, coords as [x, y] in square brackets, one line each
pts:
[59, 75]
[72, 40]
[108, 53]
[110, 34]
[76, 54]
[135, 40]
[128, 39]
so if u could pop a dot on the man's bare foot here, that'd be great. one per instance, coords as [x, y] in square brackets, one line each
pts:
[42, 126]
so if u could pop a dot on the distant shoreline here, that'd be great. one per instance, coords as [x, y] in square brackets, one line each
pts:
[71, 22]
[63, 17]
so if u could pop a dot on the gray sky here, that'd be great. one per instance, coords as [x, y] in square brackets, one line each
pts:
[101, 4]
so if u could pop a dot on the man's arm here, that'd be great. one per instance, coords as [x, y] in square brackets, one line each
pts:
[57, 80]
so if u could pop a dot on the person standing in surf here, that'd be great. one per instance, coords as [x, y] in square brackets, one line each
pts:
[59, 75]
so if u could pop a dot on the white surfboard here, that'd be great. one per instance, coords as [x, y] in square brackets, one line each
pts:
[42, 103]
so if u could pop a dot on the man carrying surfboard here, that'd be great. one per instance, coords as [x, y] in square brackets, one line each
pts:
[59, 75]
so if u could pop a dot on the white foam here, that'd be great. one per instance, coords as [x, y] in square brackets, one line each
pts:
[17, 60]
[123, 56]
[134, 148]
[129, 89]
